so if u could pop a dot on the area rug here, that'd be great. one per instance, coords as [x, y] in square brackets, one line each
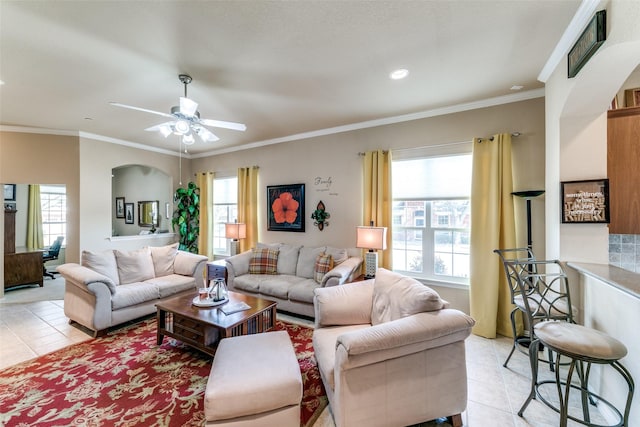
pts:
[125, 379]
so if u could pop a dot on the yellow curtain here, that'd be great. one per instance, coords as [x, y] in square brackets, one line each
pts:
[492, 227]
[377, 197]
[204, 181]
[248, 205]
[34, 219]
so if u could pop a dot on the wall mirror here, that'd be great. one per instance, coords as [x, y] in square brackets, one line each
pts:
[148, 188]
[148, 213]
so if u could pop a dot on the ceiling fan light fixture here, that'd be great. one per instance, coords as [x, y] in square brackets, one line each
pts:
[165, 130]
[188, 139]
[182, 127]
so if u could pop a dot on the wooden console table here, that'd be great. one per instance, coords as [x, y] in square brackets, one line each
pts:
[23, 268]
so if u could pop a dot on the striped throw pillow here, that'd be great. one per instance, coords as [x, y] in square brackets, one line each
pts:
[324, 263]
[263, 261]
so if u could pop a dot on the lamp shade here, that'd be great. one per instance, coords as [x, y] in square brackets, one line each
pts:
[235, 230]
[371, 237]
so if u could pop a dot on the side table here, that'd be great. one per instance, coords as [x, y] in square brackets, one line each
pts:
[216, 270]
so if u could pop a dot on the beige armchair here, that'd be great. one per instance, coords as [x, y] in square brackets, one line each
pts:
[390, 353]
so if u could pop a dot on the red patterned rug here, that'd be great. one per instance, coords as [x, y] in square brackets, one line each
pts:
[125, 379]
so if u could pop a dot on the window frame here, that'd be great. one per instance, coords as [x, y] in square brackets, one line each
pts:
[47, 236]
[218, 226]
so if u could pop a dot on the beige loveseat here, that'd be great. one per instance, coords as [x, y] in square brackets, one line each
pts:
[288, 274]
[390, 353]
[112, 286]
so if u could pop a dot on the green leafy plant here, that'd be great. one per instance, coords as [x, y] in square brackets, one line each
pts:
[187, 216]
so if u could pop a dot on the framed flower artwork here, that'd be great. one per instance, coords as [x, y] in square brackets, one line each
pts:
[285, 207]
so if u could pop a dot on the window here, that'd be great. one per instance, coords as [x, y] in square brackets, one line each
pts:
[431, 212]
[53, 203]
[225, 209]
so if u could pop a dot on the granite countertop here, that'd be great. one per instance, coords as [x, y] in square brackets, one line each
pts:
[625, 280]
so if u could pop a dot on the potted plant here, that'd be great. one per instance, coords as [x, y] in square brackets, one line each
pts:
[187, 216]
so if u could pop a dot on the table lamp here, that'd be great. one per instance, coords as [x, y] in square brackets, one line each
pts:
[373, 239]
[235, 231]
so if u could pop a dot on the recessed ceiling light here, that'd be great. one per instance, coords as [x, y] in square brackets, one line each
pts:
[399, 74]
[517, 87]
[1, 82]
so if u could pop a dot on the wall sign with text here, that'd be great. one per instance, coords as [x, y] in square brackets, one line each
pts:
[585, 201]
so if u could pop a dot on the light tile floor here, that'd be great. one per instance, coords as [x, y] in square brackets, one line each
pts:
[28, 330]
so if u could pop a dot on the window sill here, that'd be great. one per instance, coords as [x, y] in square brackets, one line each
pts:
[440, 283]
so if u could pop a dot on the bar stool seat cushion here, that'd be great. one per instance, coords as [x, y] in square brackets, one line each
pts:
[580, 341]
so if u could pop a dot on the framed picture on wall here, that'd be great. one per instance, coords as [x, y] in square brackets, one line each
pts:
[10, 192]
[119, 207]
[128, 213]
[285, 207]
[585, 201]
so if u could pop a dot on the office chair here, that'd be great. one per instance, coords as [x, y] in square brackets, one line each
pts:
[51, 253]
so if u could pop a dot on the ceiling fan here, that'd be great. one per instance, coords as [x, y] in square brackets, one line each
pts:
[185, 119]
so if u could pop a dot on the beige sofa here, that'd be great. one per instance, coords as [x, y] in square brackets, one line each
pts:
[390, 353]
[111, 287]
[288, 274]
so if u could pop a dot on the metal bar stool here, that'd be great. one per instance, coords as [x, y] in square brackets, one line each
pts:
[581, 345]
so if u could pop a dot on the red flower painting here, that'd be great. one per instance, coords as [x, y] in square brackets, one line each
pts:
[285, 208]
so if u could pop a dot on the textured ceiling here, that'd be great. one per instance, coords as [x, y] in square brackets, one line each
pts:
[281, 67]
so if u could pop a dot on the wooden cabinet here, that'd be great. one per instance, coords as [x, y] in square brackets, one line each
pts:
[20, 268]
[23, 268]
[623, 169]
[9, 231]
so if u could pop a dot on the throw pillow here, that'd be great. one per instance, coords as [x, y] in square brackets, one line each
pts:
[103, 262]
[263, 261]
[163, 258]
[324, 263]
[307, 260]
[134, 266]
[396, 296]
[339, 255]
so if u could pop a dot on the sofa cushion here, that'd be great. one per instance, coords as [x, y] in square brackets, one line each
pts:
[134, 266]
[278, 286]
[263, 261]
[163, 258]
[307, 261]
[396, 296]
[324, 263]
[250, 282]
[172, 284]
[134, 293]
[339, 255]
[288, 259]
[103, 262]
[303, 291]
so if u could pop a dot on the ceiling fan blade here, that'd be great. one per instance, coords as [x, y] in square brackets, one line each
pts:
[223, 124]
[206, 135]
[188, 107]
[131, 107]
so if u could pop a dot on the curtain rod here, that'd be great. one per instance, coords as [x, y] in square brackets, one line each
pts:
[448, 144]
[513, 134]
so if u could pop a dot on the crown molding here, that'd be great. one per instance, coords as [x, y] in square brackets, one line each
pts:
[485, 103]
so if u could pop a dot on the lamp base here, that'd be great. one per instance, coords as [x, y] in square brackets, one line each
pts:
[233, 247]
[371, 264]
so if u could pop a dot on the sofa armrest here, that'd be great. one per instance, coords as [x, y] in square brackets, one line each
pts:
[237, 265]
[82, 276]
[399, 337]
[189, 264]
[349, 304]
[342, 273]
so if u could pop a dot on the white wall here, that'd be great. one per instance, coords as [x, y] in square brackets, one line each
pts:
[336, 157]
[576, 147]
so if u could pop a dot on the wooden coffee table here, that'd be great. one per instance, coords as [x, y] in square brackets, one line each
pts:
[204, 327]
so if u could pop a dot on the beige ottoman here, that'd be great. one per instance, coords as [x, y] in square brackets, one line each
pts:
[254, 381]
